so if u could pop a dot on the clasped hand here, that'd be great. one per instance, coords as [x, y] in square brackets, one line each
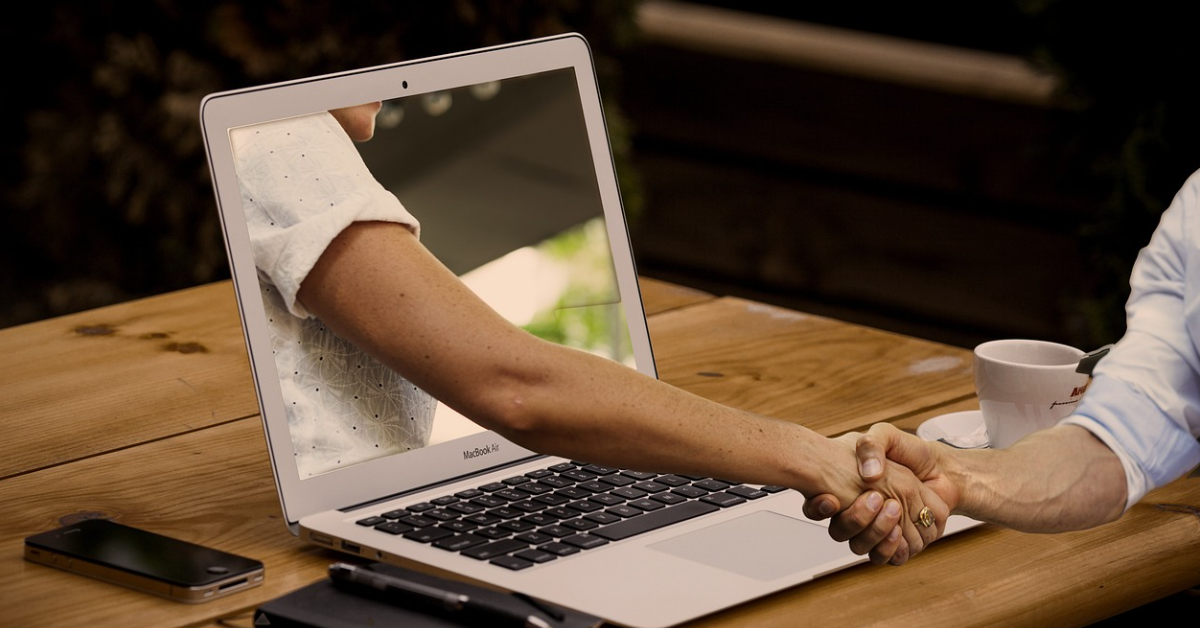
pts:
[900, 475]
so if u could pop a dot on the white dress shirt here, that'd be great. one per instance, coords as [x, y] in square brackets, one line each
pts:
[1144, 402]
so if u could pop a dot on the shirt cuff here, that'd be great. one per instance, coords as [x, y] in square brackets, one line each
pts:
[1152, 447]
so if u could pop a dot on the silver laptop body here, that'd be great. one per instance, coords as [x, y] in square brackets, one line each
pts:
[498, 152]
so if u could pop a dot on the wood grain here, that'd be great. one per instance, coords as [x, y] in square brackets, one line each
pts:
[831, 376]
[94, 382]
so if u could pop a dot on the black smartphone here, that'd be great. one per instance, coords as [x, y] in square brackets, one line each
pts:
[144, 560]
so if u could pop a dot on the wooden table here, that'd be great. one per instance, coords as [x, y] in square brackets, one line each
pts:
[145, 412]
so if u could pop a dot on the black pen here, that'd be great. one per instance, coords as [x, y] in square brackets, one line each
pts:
[403, 592]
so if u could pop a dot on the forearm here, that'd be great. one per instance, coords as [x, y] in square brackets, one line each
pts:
[1055, 480]
[378, 288]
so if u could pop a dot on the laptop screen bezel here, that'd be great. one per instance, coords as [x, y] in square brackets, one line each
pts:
[396, 474]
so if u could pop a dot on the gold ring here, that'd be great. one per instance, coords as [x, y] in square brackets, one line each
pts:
[926, 517]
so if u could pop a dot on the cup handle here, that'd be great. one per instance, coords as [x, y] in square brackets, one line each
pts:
[1089, 360]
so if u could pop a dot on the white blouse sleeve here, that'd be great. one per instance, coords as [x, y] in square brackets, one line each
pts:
[303, 182]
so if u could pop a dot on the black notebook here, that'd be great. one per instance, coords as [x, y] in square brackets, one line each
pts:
[326, 605]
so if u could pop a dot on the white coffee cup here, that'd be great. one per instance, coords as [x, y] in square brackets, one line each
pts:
[1025, 386]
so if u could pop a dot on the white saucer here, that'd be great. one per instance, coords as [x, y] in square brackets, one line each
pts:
[961, 429]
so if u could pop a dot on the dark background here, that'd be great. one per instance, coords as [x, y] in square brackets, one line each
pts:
[950, 216]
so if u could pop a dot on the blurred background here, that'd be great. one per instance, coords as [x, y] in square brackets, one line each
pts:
[956, 171]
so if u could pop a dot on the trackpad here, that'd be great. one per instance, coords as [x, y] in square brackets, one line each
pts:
[763, 545]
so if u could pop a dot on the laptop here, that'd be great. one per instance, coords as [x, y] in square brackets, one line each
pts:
[503, 156]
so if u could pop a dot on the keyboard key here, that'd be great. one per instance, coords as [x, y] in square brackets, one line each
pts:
[403, 512]
[540, 519]
[599, 469]
[606, 499]
[495, 548]
[464, 508]
[511, 494]
[584, 506]
[585, 541]
[511, 562]
[427, 535]
[651, 487]
[771, 488]
[528, 506]
[617, 480]
[559, 549]
[646, 504]
[580, 524]
[671, 480]
[561, 513]
[394, 527]
[534, 538]
[459, 526]
[515, 480]
[562, 466]
[416, 508]
[602, 518]
[470, 493]
[639, 475]
[445, 500]
[460, 542]
[536, 488]
[747, 492]
[555, 481]
[594, 486]
[483, 519]
[417, 521]
[438, 515]
[724, 500]
[624, 511]
[516, 526]
[712, 485]
[551, 500]
[577, 475]
[539, 474]
[494, 486]
[506, 512]
[690, 492]
[628, 493]
[487, 501]
[536, 556]
[493, 533]
[557, 531]
[654, 520]
[371, 522]
[669, 499]
[573, 492]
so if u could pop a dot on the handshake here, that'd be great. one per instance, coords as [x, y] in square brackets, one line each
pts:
[906, 499]
[1057, 479]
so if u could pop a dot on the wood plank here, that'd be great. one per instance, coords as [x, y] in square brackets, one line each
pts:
[829, 375]
[145, 369]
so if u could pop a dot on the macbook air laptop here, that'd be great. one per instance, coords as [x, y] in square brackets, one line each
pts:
[503, 156]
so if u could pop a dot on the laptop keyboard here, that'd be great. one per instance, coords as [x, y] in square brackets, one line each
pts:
[557, 511]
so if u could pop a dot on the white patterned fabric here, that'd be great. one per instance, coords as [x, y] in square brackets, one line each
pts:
[303, 182]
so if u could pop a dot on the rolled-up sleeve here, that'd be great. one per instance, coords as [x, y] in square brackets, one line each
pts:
[302, 183]
[1145, 400]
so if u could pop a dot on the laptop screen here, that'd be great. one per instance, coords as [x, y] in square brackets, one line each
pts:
[502, 157]
[500, 177]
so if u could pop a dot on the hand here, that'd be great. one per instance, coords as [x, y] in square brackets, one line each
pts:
[883, 519]
[870, 523]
